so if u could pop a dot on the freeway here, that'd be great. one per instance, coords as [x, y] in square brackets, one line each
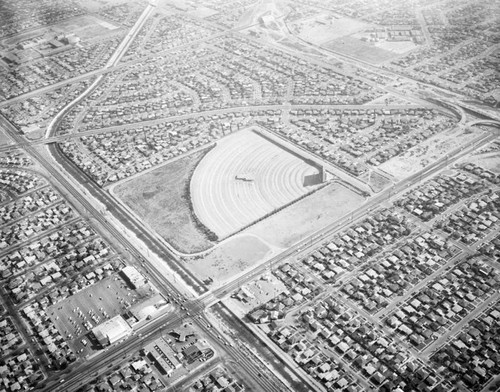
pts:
[113, 61]
[84, 373]
[125, 44]
[154, 243]
[118, 66]
[229, 110]
[197, 306]
[316, 238]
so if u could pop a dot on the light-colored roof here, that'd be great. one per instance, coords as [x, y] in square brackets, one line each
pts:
[134, 276]
[113, 329]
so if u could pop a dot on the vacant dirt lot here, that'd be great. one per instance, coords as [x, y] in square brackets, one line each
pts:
[231, 257]
[489, 161]
[4, 139]
[436, 147]
[364, 51]
[323, 28]
[307, 216]
[158, 197]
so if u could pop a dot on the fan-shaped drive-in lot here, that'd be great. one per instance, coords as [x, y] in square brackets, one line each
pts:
[244, 178]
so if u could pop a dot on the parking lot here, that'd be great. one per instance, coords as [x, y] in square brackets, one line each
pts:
[77, 315]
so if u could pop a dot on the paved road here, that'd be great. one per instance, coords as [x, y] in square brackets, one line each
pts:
[115, 354]
[85, 373]
[197, 306]
[104, 71]
[113, 61]
[317, 238]
[226, 110]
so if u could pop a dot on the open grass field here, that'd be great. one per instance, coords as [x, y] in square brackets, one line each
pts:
[158, 197]
[109, 296]
[307, 216]
[361, 50]
[244, 178]
[429, 151]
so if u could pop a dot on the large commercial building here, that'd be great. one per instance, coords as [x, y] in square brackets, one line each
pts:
[133, 277]
[111, 331]
[163, 355]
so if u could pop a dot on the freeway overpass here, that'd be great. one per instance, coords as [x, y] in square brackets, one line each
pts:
[85, 372]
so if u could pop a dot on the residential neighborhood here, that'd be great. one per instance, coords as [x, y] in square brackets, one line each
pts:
[249, 195]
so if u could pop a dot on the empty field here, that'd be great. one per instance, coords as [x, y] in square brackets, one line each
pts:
[271, 236]
[159, 198]
[396, 47]
[361, 50]
[429, 151]
[85, 27]
[323, 29]
[4, 139]
[307, 216]
[230, 258]
[489, 161]
[244, 178]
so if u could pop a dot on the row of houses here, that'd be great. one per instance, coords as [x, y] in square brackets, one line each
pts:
[135, 375]
[444, 301]
[459, 56]
[330, 335]
[33, 114]
[20, 181]
[10, 338]
[481, 172]
[28, 204]
[474, 220]
[438, 194]
[50, 246]
[79, 268]
[40, 72]
[299, 289]
[361, 241]
[384, 279]
[354, 139]
[168, 32]
[51, 342]
[36, 224]
[217, 380]
[19, 373]
[14, 159]
[472, 357]
[110, 157]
